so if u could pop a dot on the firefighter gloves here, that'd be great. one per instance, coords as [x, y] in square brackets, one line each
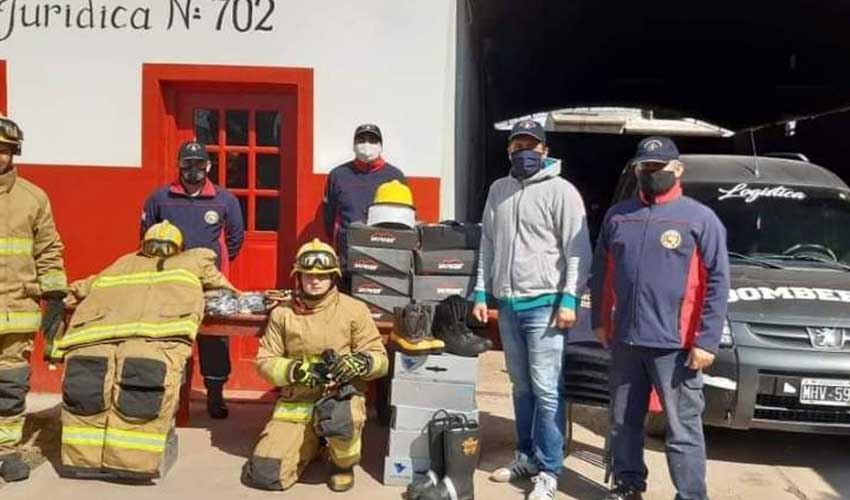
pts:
[54, 315]
[302, 373]
[350, 366]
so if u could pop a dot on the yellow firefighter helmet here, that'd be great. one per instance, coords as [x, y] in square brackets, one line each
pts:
[316, 257]
[162, 240]
[395, 193]
[11, 133]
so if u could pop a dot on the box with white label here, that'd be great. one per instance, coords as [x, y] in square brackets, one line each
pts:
[379, 284]
[450, 396]
[361, 235]
[446, 368]
[368, 260]
[438, 288]
[446, 262]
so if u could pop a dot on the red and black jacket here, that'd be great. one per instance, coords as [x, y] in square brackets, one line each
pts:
[660, 274]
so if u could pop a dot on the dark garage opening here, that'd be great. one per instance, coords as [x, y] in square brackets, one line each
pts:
[746, 66]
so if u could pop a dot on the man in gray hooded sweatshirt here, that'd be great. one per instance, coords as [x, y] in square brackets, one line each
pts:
[535, 256]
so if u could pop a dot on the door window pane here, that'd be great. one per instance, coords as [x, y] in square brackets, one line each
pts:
[268, 213]
[237, 170]
[268, 128]
[237, 128]
[213, 175]
[268, 171]
[206, 126]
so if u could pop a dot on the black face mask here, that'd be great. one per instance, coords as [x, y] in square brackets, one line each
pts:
[655, 183]
[193, 175]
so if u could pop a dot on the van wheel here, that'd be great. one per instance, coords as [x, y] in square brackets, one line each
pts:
[655, 425]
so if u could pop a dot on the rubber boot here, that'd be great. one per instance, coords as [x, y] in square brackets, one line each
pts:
[450, 326]
[412, 330]
[14, 468]
[438, 423]
[341, 480]
[216, 407]
[460, 450]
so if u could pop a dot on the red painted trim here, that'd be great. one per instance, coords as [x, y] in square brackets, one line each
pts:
[97, 208]
[694, 300]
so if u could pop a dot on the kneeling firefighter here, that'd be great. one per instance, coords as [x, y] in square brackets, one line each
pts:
[125, 353]
[319, 335]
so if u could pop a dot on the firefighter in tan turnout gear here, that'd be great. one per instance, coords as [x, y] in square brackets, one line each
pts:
[317, 336]
[125, 351]
[31, 269]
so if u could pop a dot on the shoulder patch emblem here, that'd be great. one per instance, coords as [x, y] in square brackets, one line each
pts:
[211, 217]
[671, 239]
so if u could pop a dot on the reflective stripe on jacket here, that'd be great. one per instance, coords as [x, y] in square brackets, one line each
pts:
[139, 296]
[30, 253]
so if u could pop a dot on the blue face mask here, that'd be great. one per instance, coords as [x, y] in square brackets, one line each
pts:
[525, 163]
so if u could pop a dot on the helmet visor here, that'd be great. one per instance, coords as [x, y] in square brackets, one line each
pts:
[317, 261]
[159, 248]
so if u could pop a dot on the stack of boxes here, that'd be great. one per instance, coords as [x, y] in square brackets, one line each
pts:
[421, 386]
[446, 261]
[445, 264]
[380, 262]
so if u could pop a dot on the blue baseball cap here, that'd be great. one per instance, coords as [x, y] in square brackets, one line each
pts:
[656, 148]
[530, 128]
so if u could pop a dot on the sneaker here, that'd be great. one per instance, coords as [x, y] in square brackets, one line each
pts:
[545, 486]
[522, 466]
[624, 492]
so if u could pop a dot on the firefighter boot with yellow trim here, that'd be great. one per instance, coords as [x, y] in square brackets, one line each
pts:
[341, 480]
[412, 330]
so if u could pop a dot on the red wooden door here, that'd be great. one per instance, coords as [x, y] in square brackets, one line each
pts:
[251, 141]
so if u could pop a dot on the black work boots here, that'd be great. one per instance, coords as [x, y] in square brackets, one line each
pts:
[216, 407]
[454, 449]
[14, 468]
[412, 330]
[450, 326]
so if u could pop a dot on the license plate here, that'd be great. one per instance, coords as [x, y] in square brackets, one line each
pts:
[819, 391]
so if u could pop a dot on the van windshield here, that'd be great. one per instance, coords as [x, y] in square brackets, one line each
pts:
[776, 221]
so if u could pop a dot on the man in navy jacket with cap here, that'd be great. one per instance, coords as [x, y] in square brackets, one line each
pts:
[209, 217]
[660, 282]
[351, 186]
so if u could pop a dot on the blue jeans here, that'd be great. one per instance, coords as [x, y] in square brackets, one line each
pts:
[534, 354]
[635, 371]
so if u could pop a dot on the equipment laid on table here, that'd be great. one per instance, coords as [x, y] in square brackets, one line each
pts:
[224, 302]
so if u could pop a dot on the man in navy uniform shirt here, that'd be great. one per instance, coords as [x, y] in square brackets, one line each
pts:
[209, 217]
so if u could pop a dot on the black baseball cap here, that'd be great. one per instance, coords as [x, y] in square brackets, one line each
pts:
[656, 148]
[530, 128]
[368, 128]
[192, 150]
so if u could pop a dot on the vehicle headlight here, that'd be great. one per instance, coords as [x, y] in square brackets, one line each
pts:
[726, 337]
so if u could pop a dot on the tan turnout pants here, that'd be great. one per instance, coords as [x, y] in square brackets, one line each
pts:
[119, 401]
[15, 350]
[288, 444]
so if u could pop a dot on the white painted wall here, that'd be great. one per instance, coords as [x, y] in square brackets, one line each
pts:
[77, 92]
